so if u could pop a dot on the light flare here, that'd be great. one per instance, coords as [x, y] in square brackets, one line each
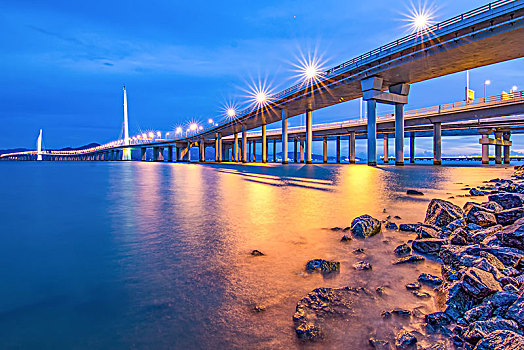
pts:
[420, 18]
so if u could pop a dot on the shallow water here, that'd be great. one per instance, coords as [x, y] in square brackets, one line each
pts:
[150, 255]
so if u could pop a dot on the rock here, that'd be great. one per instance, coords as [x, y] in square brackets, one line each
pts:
[474, 192]
[365, 226]
[336, 228]
[380, 290]
[362, 265]
[506, 200]
[379, 344]
[479, 313]
[413, 286]
[402, 250]
[414, 193]
[501, 340]
[492, 206]
[502, 300]
[479, 329]
[459, 223]
[436, 320]
[492, 259]
[516, 311]
[345, 239]
[449, 273]
[484, 264]
[480, 235]
[407, 227]
[401, 312]
[513, 236]
[428, 231]
[323, 303]
[478, 215]
[472, 227]
[408, 259]
[322, 265]
[420, 294]
[257, 253]
[358, 251]
[451, 254]
[519, 265]
[428, 279]
[391, 226]
[428, 245]
[405, 340]
[397, 217]
[308, 330]
[440, 345]
[441, 213]
[259, 308]
[509, 216]
[479, 283]
[459, 237]
[458, 301]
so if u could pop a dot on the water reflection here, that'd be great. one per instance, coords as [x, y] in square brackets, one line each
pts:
[164, 259]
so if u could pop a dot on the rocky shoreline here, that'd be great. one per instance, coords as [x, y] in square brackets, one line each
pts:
[481, 288]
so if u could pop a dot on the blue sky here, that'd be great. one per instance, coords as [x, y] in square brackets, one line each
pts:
[64, 62]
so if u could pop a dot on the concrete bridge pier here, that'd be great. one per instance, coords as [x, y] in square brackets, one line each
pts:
[220, 147]
[244, 144]
[437, 143]
[412, 148]
[498, 147]
[158, 154]
[284, 136]
[169, 153]
[143, 154]
[338, 149]
[202, 150]
[301, 151]
[324, 142]
[274, 150]
[386, 148]
[506, 136]
[264, 144]
[254, 151]
[216, 147]
[352, 139]
[295, 157]
[372, 132]
[485, 141]
[235, 147]
[309, 135]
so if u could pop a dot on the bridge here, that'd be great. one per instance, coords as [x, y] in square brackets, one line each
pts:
[489, 34]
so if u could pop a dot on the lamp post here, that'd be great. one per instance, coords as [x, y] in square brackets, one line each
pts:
[486, 83]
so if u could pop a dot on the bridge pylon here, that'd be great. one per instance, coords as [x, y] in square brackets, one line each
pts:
[126, 152]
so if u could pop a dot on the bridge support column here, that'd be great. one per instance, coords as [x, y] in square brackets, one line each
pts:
[143, 154]
[219, 138]
[216, 148]
[352, 138]
[235, 147]
[437, 143]
[372, 132]
[338, 149]
[324, 142]
[309, 135]
[284, 137]
[485, 141]
[506, 136]
[202, 149]
[386, 148]
[295, 157]
[254, 151]
[274, 150]
[301, 151]
[399, 134]
[169, 153]
[412, 148]
[264, 144]
[498, 147]
[244, 144]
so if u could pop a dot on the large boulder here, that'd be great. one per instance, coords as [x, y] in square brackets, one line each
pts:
[428, 245]
[458, 300]
[365, 226]
[478, 215]
[501, 340]
[480, 235]
[441, 213]
[479, 329]
[506, 200]
[451, 254]
[509, 216]
[513, 235]
[516, 311]
[428, 231]
[479, 283]
[493, 206]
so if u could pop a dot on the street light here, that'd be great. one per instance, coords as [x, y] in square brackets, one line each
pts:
[158, 134]
[178, 130]
[210, 121]
[486, 83]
